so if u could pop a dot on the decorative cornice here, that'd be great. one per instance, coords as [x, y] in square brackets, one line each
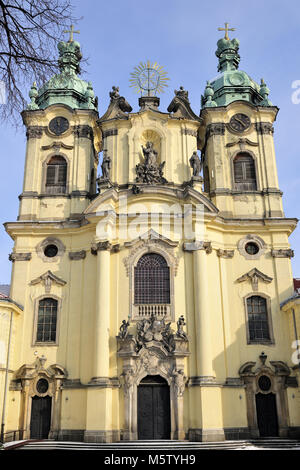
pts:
[195, 246]
[216, 128]
[100, 246]
[225, 253]
[57, 145]
[242, 142]
[109, 132]
[47, 279]
[254, 275]
[83, 131]
[264, 128]
[34, 132]
[189, 132]
[19, 257]
[286, 253]
[76, 255]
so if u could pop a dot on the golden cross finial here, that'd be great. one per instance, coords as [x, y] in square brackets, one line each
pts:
[71, 31]
[226, 29]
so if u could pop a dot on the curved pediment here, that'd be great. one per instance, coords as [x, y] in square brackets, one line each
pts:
[156, 198]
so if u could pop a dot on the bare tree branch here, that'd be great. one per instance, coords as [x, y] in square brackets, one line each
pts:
[29, 32]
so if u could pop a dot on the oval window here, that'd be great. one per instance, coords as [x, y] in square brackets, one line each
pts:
[50, 251]
[42, 386]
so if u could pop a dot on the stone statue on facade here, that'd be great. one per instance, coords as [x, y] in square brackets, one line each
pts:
[106, 166]
[195, 164]
[150, 171]
[153, 329]
[150, 154]
[179, 381]
[123, 332]
[180, 324]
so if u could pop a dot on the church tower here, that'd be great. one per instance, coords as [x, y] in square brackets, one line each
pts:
[149, 302]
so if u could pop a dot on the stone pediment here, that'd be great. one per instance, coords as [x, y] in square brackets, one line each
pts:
[151, 235]
[254, 276]
[180, 106]
[47, 279]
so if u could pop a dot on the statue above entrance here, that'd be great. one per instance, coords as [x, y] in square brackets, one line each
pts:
[150, 171]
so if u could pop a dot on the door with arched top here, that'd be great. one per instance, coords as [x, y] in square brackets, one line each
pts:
[153, 403]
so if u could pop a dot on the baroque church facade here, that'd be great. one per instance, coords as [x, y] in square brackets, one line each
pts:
[118, 327]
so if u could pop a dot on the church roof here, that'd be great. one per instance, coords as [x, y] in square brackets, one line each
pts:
[4, 290]
[232, 84]
[65, 87]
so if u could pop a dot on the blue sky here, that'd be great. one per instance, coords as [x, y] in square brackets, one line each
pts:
[181, 36]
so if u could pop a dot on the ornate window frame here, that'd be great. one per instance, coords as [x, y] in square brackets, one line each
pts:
[36, 343]
[50, 241]
[271, 341]
[140, 248]
[255, 239]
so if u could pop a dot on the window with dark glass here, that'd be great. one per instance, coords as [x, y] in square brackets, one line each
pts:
[56, 178]
[47, 319]
[244, 172]
[152, 280]
[258, 319]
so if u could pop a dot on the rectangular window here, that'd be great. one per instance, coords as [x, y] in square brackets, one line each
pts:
[258, 319]
[47, 320]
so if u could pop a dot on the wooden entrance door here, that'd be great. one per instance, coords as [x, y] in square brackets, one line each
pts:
[153, 408]
[40, 417]
[267, 414]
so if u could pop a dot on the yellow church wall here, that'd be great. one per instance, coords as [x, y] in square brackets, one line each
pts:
[99, 409]
[74, 409]
[293, 398]
[234, 407]
[211, 401]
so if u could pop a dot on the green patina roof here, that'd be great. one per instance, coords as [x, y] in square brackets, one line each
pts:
[65, 87]
[232, 84]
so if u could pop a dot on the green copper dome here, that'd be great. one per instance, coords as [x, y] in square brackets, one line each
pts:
[232, 84]
[65, 87]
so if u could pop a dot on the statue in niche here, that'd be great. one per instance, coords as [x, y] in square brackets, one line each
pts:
[106, 166]
[195, 163]
[150, 154]
[150, 171]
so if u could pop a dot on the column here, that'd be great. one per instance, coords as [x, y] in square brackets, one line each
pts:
[102, 319]
[202, 313]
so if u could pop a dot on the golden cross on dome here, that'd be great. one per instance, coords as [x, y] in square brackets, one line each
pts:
[71, 31]
[226, 29]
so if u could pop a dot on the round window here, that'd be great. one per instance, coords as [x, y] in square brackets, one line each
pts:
[42, 386]
[50, 251]
[264, 383]
[251, 248]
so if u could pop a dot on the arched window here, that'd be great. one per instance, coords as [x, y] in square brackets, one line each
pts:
[258, 324]
[244, 172]
[152, 280]
[46, 321]
[56, 177]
